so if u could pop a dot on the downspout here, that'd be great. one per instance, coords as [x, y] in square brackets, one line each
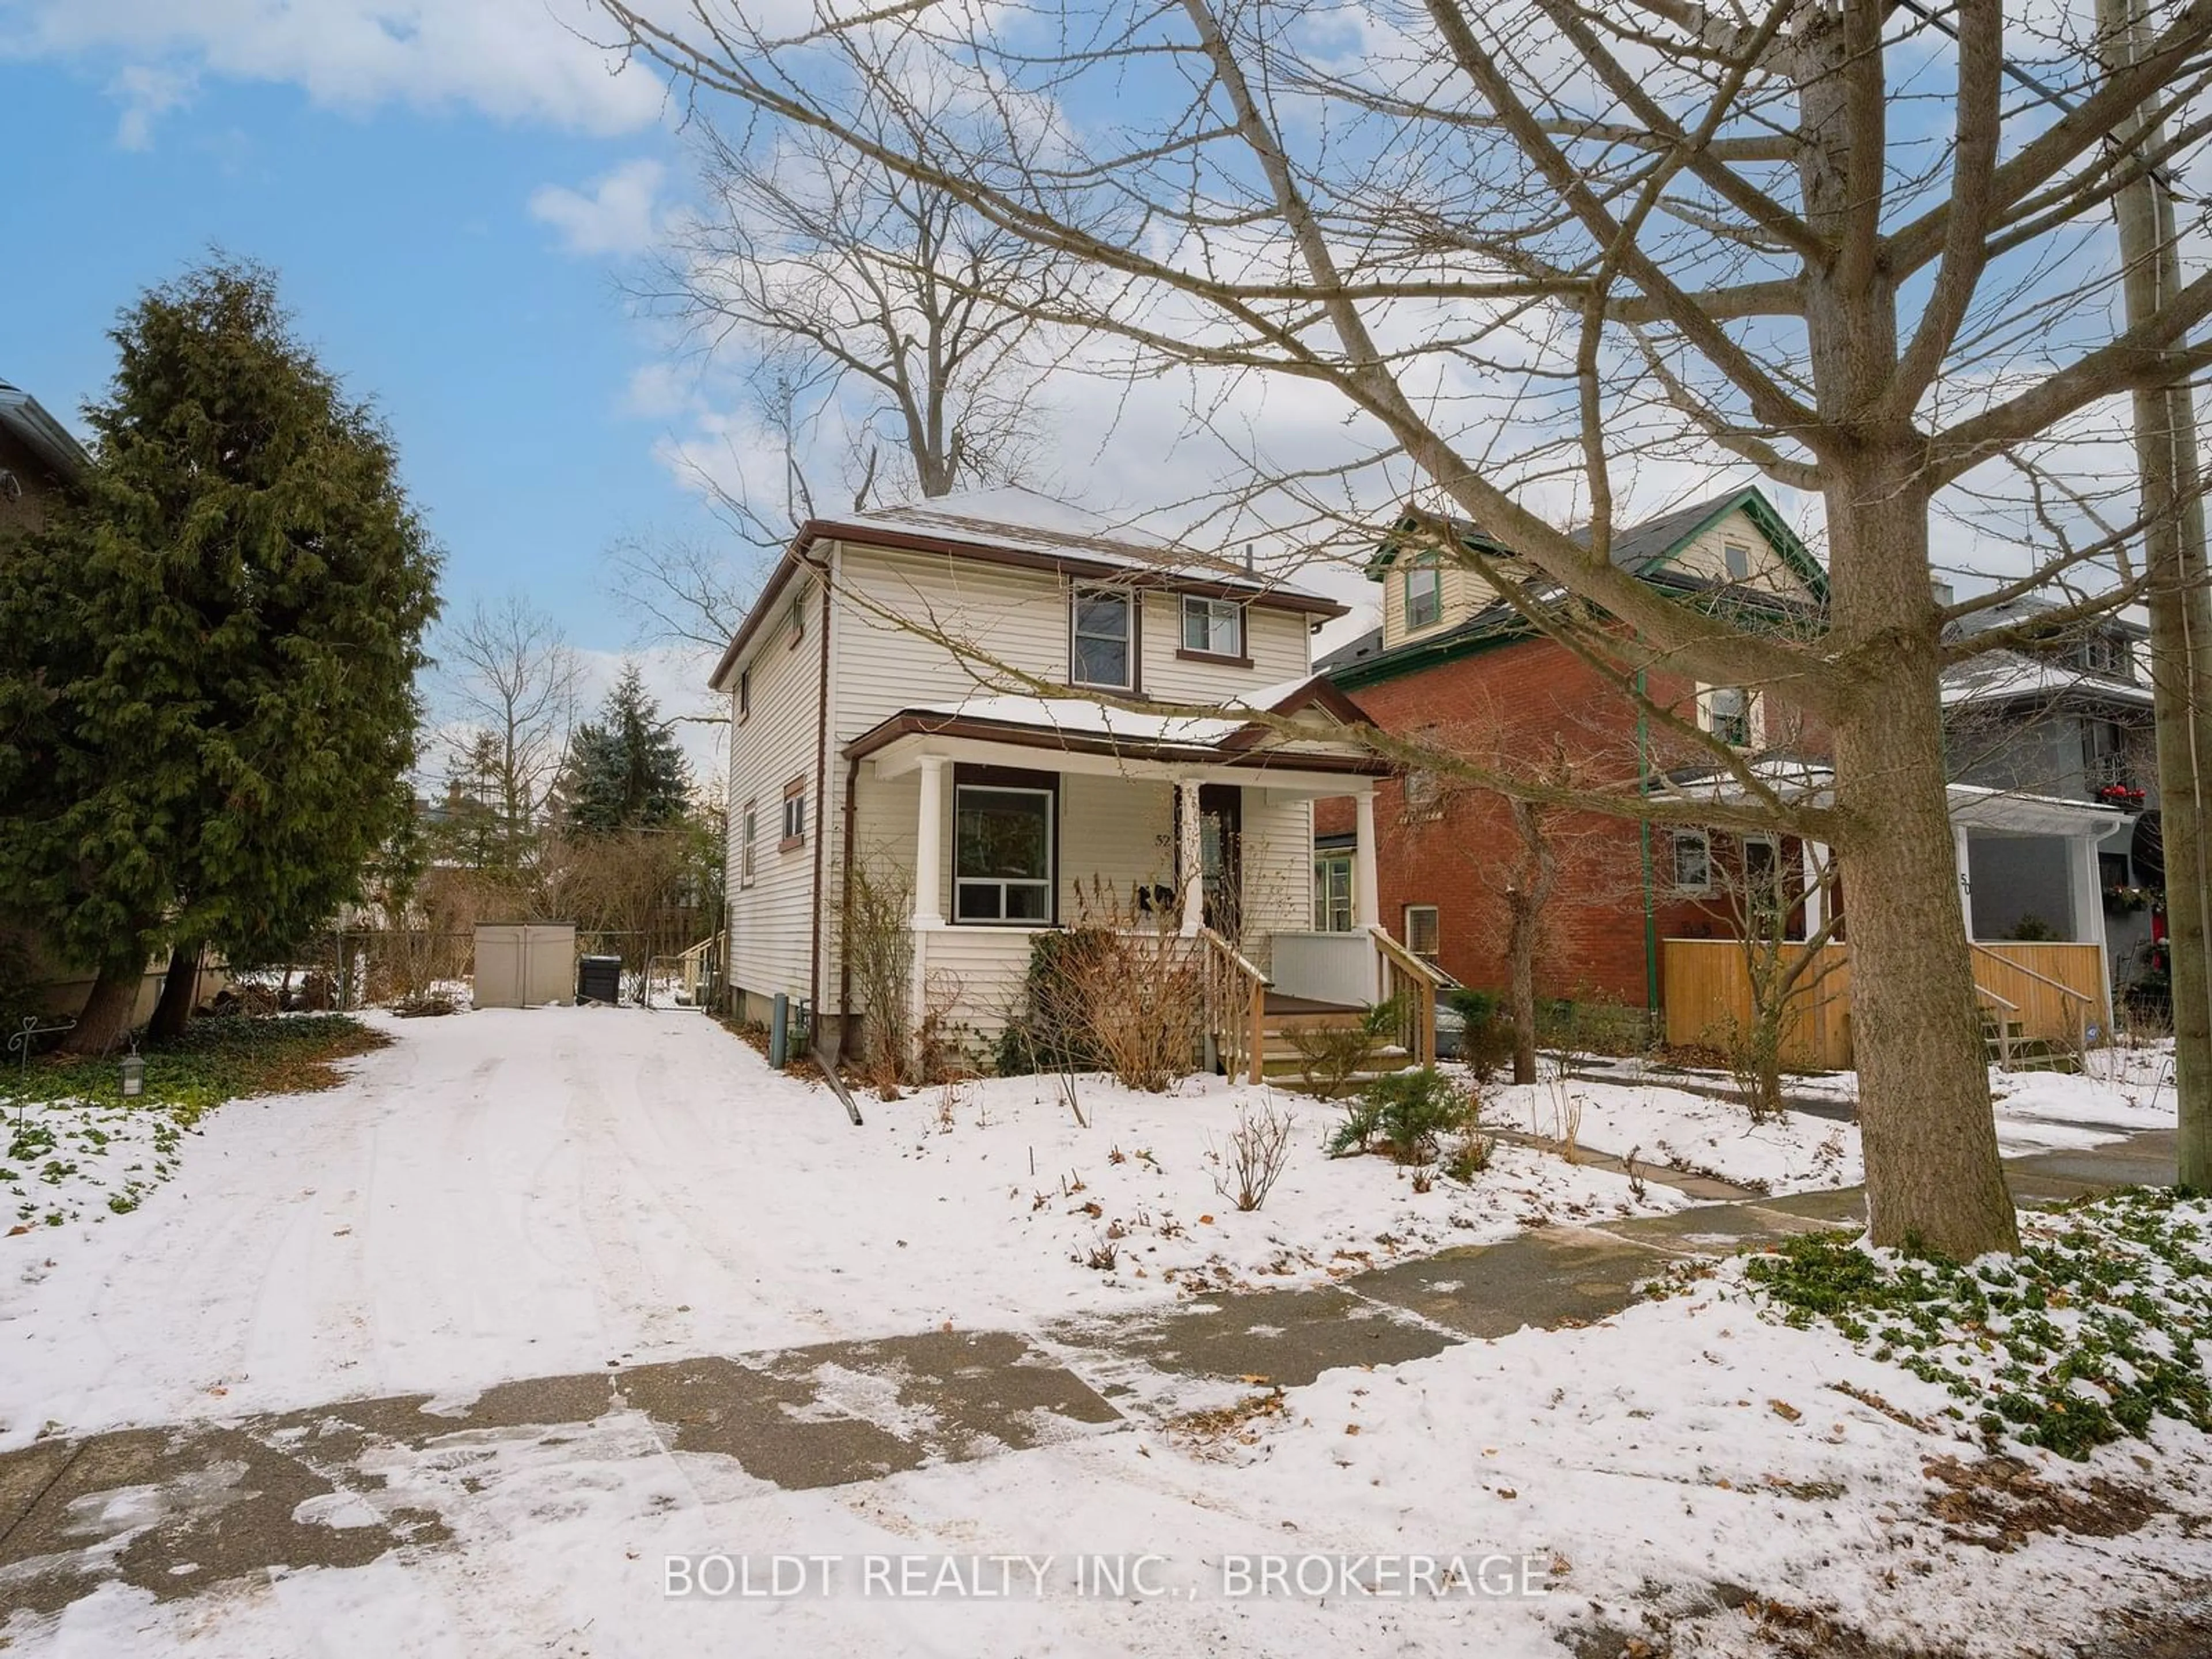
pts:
[822, 778]
[1644, 833]
[852, 816]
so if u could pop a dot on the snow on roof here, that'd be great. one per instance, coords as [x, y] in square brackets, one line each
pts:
[1092, 718]
[1025, 521]
[2000, 676]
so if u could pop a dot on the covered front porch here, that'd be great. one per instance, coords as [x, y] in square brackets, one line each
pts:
[1019, 817]
[2033, 903]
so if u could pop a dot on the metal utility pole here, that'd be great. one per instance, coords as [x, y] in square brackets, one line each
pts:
[2174, 564]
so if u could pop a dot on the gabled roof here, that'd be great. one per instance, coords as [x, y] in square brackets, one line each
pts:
[1646, 549]
[24, 416]
[1023, 528]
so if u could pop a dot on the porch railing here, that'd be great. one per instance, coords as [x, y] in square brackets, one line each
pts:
[1413, 984]
[701, 962]
[2066, 1007]
[1235, 1006]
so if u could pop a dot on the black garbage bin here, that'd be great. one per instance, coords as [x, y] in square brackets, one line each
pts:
[598, 979]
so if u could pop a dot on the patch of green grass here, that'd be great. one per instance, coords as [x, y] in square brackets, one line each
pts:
[215, 1059]
[69, 1138]
[2086, 1337]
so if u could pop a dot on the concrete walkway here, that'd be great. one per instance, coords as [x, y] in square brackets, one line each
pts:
[174, 1511]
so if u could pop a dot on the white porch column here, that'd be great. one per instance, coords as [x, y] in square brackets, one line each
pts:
[1965, 875]
[1190, 856]
[2088, 890]
[1366, 890]
[1816, 857]
[928, 845]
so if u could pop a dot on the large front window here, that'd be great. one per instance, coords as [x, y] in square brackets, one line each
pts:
[1002, 855]
[1101, 651]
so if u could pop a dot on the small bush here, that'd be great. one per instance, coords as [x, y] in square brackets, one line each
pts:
[1470, 1155]
[1477, 1007]
[1259, 1151]
[1406, 1112]
[1329, 1055]
[1487, 1049]
[1363, 1123]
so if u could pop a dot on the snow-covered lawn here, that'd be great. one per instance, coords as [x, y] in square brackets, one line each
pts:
[510, 1194]
[69, 1161]
[1669, 1126]
[1693, 1476]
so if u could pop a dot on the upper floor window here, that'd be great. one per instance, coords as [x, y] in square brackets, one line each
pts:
[1102, 646]
[1425, 593]
[2101, 653]
[1727, 715]
[744, 694]
[795, 619]
[748, 832]
[1212, 628]
[1737, 559]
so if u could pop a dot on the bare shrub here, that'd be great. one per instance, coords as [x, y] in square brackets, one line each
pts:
[1258, 1153]
[875, 910]
[1136, 992]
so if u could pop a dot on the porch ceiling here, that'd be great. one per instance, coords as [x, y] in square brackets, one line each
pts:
[898, 745]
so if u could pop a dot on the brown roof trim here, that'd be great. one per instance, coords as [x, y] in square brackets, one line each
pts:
[914, 722]
[907, 540]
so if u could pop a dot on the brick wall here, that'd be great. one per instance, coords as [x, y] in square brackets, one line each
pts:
[1520, 695]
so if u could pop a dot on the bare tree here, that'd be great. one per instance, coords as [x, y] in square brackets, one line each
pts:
[1526, 242]
[891, 343]
[512, 680]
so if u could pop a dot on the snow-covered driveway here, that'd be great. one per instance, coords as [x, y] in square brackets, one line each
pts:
[507, 1195]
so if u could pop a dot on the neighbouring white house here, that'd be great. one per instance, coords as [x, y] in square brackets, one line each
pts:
[1038, 719]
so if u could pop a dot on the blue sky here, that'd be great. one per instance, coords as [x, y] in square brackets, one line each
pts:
[408, 248]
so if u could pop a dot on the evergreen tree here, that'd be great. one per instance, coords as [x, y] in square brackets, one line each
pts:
[206, 661]
[623, 771]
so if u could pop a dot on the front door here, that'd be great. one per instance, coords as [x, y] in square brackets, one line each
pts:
[1220, 833]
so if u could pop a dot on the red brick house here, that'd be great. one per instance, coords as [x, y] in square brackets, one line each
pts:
[1455, 663]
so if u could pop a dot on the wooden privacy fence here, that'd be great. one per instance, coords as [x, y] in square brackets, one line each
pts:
[2054, 991]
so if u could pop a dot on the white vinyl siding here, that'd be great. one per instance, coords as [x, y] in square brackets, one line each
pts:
[769, 914]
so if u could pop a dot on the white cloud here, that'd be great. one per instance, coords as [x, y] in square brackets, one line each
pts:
[147, 94]
[615, 215]
[514, 59]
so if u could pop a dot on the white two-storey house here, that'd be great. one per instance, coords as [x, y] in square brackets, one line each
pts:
[1038, 719]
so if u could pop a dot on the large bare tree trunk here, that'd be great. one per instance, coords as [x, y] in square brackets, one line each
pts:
[1934, 1180]
[106, 1012]
[179, 988]
[1521, 950]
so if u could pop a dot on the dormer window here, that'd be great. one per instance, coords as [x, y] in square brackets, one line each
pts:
[1102, 639]
[2101, 653]
[1424, 594]
[1736, 557]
